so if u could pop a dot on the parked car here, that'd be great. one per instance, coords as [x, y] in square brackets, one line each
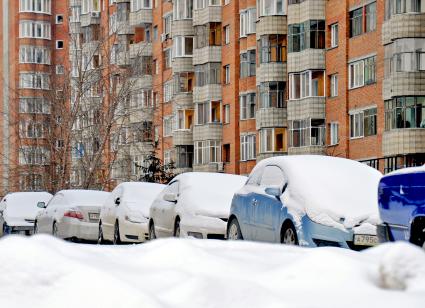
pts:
[402, 206]
[194, 204]
[125, 215]
[18, 211]
[72, 214]
[307, 200]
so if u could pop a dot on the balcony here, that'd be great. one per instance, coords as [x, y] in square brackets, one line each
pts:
[408, 25]
[309, 107]
[273, 71]
[143, 114]
[271, 25]
[306, 10]
[182, 64]
[403, 141]
[209, 92]
[261, 156]
[140, 49]
[74, 28]
[210, 167]
[209, 131]
[141, 17]
[207, 54]
[124, 28]
[142, 82]
[182, 27]
[92, 18]
[182, 137]
[306, 59]
[183, 100]
[271, 117]
[206, 15]
[404, 84]
[312, 150]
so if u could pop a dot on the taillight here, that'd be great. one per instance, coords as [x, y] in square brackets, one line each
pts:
[74, 214]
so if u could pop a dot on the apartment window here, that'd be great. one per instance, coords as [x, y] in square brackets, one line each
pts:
[273, 140]
[183, 9]
[34, 29]
[182, 46]
[34, 54]
[168, 91]
[207, 152]
[60, 70]
[247, 106]
[226, 111]
[184, 119]
[247, 21]
[168, 126]
[167, 23]
[208, 73]
[183, 82]
[334, 85]
[137, 5]
[272, 7]
[307, 132]
[75, 14]
[227, 74]
[34, 80]
[356, 22]
[272, 48]
[310, 34]
[142, 99]
[59, 44]
[370, 17]
[226, 153]
[184, 156]
[226, 30]
[358, 16]
[32, 129]
[272, 94]
[208, 112]
[370, 118]
[404, 6]
[334, 35]
[34, 105]
[334, 130]
[248, 147]
[306, 84]
[90, 6]
[363, 123]
[362, 72]
[208, 35]
[155, 33]
[405, 112]
[35, 6]
[33, 155]
[357, 124]
[247, 64]
[167, 58]
[59, 19]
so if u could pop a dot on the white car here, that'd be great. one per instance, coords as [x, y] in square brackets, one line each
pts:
[125, 215]
[194, 205]
[72, 214]
[18, 211]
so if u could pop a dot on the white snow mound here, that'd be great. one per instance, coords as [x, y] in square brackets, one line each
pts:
[44, 272]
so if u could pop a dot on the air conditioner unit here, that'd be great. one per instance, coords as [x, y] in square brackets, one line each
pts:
[220, 167]
[163, 37]
[95, 14]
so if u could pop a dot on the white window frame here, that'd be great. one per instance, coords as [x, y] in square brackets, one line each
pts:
[334, 85]
[334, 133]
[357, 118]
[226, 34]
[179, 47]
[274, 7]
[30, 54]
[137, 5]
[227, 74]
[31, 6]
[30, 28]
[227, 114]
[306, 84]
[248, 147]
[334, 35]
[263, 140]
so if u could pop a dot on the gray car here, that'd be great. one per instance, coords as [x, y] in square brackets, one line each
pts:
[72, 214]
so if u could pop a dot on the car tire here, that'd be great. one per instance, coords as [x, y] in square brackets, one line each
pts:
[100, 239]
[55, 229]
[234, 232]
[289, 234]
[152, 234]
[177, 228]
[117, 238]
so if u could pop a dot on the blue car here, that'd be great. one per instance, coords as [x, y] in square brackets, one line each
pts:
[307, 200]
[402, 206]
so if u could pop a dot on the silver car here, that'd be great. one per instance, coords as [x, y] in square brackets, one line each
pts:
[72, 214]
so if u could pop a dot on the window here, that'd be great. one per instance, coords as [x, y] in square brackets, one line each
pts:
[248, 147]
[208, 35]
[362, 72]
[272, 94]
[59, 44]
[272, 48]
[334, 85]
[272, 7]
[273, 140]
[184, 119]
[142, 99]
[34, 54]
[371, 17]
[75, 14]
[155, 33]
[183, 82]
[34, 105]
[60, 70]
[226, 109]
[363, 20]
[34, 29]
[334, 137]
[34, 80]
[59, 19]
[35, 6]
[183, 9]
[182, 46]
[309, 34]
[33, 155]
[334, 35]
[247, 21]
[137, 5]
[370, 118]
[168, 91]
[32, 129]
[227, 74]
[247, 106]
[207, 152]
[405, 112]
[184, 155]
[357, 125]
[90, 6]
[306, 84]
[247, 64]
[307, 132]
[167, 23]
[168, 126]
[226, 30]
[208, 112]
[208, 73]
[356, 22]
[363, 123]
[167, 58]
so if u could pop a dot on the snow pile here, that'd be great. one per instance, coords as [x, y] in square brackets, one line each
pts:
[337, 192]
[43, 272]
[209, 194]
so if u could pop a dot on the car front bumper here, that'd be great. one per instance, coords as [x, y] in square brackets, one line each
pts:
[134, 232]
[203, 227]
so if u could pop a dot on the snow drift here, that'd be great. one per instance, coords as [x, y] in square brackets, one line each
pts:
[43, 272]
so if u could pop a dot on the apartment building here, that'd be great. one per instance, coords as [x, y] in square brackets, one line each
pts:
[33, 50]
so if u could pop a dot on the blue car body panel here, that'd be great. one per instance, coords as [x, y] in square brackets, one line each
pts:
[401, 200]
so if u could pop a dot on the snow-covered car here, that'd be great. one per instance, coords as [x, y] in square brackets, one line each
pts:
[18, 211]
[72, 214]
[194, 204]
[125, 215]
[308, 200]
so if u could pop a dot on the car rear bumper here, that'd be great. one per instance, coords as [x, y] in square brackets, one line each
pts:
[25, 230]
[73, 228]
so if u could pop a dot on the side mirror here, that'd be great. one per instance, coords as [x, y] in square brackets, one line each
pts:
[170, 197]
[273, 191]
[118, 201]
[41, 205]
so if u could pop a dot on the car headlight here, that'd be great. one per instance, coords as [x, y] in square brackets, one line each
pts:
[135, 218]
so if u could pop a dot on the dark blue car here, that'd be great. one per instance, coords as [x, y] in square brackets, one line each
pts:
[402, 206]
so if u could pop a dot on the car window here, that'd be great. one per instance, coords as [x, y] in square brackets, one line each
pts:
[57, 201]
[272, 176]
[255, 177]
[173, 187]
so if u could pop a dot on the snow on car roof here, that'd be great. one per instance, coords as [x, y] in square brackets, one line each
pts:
[333, 191]
[85, 197]
[24, 204]
[209, 193]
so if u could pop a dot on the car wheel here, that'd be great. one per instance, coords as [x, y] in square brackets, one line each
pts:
[35, 228]
[55, 229]
[234, 230]
[289, 235]
[100, 239]
[152, 234]
[177, 228]
[117, 239]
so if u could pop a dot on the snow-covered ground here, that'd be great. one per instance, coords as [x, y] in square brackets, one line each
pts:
[45, 272]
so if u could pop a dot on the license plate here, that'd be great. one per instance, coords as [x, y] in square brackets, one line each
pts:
[365, 240]
[93, 216]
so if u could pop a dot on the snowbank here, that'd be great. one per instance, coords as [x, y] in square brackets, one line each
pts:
[43, 272]
[407, 170]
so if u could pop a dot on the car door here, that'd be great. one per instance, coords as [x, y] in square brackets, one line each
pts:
[111, 208]
[164, 211]
[267, 208]
[45, 219]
